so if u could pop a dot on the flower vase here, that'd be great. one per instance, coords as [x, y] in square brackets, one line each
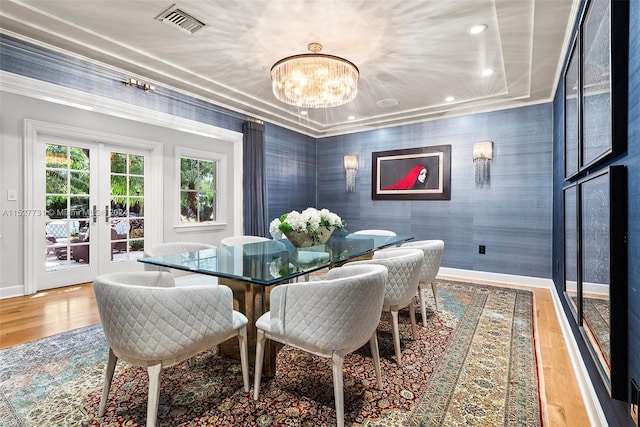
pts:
[302, 239]
[324, 233]
[299, 239]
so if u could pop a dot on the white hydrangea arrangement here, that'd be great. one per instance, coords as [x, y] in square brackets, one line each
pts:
[309, 220]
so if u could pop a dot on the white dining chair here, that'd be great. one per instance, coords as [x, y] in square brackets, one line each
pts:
[404, 266]
[148, 322]
[432, 251]
[329, 318]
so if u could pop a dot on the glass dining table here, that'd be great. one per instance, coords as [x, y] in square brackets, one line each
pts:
[253, 269]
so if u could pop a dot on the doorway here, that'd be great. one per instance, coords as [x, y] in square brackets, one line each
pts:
[89, 198]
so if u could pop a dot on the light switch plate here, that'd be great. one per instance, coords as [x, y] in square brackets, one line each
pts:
[12, 195]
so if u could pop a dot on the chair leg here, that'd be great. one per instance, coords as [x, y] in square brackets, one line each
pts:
[259, 358]
[108, 376]
[338, 388]
[154, 393]
[412, 317]
[396, 335]
[373, 343]
[423, 304]
[435, 293]
[244, 357]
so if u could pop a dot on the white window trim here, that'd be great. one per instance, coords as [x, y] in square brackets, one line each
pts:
[222, 208]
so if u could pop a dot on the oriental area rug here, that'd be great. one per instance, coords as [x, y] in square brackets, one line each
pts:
[474, 364]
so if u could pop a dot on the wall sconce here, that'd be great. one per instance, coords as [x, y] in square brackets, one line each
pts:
[482, 154]
[140, 85]
[350, 167]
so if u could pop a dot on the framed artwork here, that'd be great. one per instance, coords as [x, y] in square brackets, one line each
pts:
[595, 276]
[595, 88]
[412, 174]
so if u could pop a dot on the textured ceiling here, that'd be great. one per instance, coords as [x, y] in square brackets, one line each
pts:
[414, 52]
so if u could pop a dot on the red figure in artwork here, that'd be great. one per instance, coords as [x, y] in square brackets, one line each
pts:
[416, 178]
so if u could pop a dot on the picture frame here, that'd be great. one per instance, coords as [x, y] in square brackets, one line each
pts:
[595, 276]
[595, 77]
[422, 173]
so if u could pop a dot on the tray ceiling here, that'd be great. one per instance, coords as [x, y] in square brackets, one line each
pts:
[412, 55]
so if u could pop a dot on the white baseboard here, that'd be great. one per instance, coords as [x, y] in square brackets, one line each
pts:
[507, 279]
[589, 397]
[11, 291]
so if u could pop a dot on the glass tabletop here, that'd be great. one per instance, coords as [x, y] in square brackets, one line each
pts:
[275, 261]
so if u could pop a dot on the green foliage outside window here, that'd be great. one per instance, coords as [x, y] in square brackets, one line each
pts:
[197, 190]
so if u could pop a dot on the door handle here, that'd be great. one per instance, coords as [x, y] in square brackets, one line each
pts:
[95, 214]
[106, 213]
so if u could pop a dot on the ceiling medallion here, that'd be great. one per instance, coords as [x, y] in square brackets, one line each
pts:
[314, 80]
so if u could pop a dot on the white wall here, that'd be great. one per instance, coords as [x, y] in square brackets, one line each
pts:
[14, 108]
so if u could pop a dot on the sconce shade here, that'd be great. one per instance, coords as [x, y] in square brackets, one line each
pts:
[482, 154]
[483, 150]
[350, 167]
[351, 162]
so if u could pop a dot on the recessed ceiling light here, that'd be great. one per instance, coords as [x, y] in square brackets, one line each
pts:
[487, 72]
[477, 29]
[387, 103]
[303, 113]
[351, 117]
[449, 99]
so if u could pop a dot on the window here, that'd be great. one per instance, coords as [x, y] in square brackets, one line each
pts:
[198, 198]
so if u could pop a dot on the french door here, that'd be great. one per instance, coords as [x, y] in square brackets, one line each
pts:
[92, 197]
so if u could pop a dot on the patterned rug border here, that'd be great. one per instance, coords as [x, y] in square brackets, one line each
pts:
[437, 396]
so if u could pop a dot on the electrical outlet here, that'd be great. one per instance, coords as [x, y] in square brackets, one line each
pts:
[482, 249]
[635, 401]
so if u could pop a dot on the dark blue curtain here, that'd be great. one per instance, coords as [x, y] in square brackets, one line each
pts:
[253, 182]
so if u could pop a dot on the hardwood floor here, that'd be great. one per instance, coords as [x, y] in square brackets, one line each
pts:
[47, 313]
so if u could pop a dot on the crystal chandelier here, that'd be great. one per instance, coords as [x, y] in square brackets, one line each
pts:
[314, 80]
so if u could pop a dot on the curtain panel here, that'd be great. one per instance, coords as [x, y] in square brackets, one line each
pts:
[253, 182]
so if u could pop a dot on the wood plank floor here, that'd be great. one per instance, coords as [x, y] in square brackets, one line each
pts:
[47, 313]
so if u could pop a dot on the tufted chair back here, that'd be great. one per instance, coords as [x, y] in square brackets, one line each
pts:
[432, 250]
[329, 318]
[150, 323]
[404, 266]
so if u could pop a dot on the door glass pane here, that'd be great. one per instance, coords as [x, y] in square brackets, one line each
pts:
[67, 207]
[127, 206]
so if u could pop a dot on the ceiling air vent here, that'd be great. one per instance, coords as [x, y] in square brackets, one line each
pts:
[183, 21]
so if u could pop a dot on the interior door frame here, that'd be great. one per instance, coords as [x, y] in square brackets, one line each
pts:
[32, 130]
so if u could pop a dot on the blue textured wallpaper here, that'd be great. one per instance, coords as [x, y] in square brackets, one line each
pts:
[23, 58]
[511, 217]
[290, 165]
